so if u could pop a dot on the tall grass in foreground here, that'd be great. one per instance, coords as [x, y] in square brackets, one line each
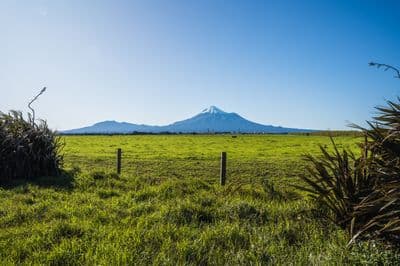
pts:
[363, 192]
[27, 149]
[167, 207]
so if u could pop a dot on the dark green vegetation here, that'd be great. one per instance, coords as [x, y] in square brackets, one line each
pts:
[168, 208]
[27, 149]
[332, 133]
[363, 191]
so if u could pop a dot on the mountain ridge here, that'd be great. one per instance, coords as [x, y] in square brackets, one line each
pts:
[209, 120]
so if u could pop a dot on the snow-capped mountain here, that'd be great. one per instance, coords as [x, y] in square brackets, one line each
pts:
[211, 120]
[213, 110]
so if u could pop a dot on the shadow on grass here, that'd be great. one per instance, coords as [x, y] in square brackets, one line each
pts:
[64, 181]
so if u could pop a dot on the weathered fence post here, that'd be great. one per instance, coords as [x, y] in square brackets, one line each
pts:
[223, 168]
[119, 155]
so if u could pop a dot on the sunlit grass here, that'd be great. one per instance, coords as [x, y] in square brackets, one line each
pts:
[168, 208]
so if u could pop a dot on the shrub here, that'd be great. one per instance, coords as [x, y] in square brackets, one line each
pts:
[27, 149]
[363, 192]
[381, 207]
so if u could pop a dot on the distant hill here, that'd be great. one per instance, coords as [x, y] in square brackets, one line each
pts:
[107, 127]
[210, 120]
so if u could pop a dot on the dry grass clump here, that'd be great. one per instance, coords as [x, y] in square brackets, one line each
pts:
[27, 149]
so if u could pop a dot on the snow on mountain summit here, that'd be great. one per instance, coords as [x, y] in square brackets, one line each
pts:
[211, 119]
[213, 110]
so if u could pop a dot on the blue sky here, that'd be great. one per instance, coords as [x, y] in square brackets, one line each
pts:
[290, 63]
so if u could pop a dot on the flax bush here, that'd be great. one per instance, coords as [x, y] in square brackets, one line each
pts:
[27, 149]
[362, 193]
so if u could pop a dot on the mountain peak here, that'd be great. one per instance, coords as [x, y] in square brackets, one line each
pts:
[213, 110]
[107, 122]
[211, 119]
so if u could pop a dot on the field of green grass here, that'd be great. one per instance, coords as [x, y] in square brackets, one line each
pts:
[167, 207]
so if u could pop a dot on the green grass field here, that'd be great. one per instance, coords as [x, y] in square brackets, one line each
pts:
[167, 206]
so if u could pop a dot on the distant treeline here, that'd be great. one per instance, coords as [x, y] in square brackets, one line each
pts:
[166, 133]
[116, 134]
[334, 133]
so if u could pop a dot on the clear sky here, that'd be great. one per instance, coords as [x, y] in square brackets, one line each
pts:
[290, 63]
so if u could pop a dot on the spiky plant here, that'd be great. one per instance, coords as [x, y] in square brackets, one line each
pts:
[362, 193]
[27, 149]
[337, 181]
[384, 199]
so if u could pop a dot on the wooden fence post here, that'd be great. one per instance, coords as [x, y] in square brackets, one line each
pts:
[119, 155]
[223, 168]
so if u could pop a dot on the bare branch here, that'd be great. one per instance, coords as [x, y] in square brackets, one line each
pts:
[386, 67]
[34, 99]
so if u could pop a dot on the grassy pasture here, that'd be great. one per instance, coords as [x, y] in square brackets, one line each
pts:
[167, 207]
